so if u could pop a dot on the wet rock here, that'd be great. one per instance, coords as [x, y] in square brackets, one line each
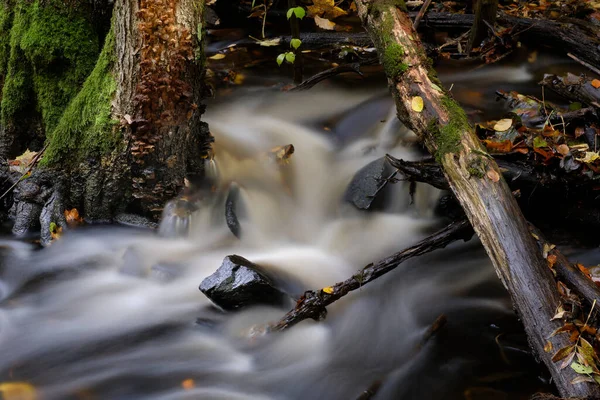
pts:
[52, 212]
[231, 206]
[240, 283]
[136, 221]
[361, 190]
[27, 218]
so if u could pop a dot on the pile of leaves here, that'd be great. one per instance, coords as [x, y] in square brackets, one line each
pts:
[535, 129]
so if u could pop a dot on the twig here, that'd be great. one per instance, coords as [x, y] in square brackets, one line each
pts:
[421, 13]
[585, 64]
[313, 303]
[328, 73]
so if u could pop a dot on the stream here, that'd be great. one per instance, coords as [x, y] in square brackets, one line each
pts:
[115, 312]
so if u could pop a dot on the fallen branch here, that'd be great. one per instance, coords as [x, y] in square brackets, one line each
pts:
[424, 106]
[328, 73]
[312, 305]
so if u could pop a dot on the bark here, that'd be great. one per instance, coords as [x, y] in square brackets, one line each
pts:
[485, 16]
[131, 131]
[473, 176]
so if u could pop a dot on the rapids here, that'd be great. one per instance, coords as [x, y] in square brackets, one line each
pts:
[115, 313]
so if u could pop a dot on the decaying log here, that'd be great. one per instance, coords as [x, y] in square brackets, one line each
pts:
[573, 87]
[486, 198]
[312, 305]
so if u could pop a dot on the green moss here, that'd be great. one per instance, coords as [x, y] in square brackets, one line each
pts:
[86, 127]
[399, 4]
[476, 167]
[392, 60]
[5, 25]
[447, 136]
[53, 48]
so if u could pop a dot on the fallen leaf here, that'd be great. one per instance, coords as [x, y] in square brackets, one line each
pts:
[563, 149]
[587, 351]
[328, 289]
[582, 379]
[18, 391]
[562, 353]
[548, 346]
[551, 260]
[596, 83]
[558, 315]
[324, 23]
[567, 361]
[72, 217]
[547, 248]
[493, 175]
[55, 231]
[503, 125]
[495, 146]
[589, 157]
[325, 9]
[218, 56]
[269, 42]
[581, 369]
[539, 141]
[22, 162]
[417, 104]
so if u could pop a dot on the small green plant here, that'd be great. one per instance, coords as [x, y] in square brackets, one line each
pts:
[288, 56]
[297, 11]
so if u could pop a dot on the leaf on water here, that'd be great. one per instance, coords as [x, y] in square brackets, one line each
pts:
[548, 346]
[562, 353]
[493, 175]
[503, 125]
[324, 23]
[325, 9]
[18, 391]
[539, 141]
[218, 56]
[581, 369]
[280, 59]
[596, 83]
[417, 104]
[328, 289]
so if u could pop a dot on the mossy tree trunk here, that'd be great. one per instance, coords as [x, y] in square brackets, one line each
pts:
[117, 101]
[473, 176]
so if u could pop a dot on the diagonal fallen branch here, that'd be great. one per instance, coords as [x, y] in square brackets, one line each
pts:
[312, 305]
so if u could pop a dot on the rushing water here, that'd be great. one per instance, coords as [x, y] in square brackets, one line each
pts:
[115, 313]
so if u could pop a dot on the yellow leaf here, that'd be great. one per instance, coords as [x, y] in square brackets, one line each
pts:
[324, 23]
[503, 125]
[268, 42]
[328, 289]
[548, 346]
[218, 56]
[417, 104]
[22, 162]
[589, 157]
[17, 391]
[325, 9]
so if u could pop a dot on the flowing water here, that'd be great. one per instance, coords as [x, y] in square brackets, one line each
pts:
[115, 313]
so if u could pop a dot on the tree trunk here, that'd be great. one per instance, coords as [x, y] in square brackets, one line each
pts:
[473, 176]
[485, 11]
[126, 130]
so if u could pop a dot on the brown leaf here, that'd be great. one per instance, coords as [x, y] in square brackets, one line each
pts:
[548, 346]
[72, 217]
[324, 23]
[493, 146]
[564, 352]
[325, 9]
[551, 260]
[567, 361]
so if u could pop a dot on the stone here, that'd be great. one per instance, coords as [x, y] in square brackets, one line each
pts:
[239, 283]
[363, 186]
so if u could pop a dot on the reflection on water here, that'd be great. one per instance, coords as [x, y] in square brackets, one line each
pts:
[113, 313]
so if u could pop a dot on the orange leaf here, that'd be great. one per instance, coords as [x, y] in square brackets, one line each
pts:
[72, 217]
[498, 147]
[562, 353]
[551, 260]
[596, 83]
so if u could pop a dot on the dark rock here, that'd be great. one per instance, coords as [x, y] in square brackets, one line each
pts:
[27, 218]
[52, 212]
[135, 220]
[240, 283]
[361, 190]
[231, 206]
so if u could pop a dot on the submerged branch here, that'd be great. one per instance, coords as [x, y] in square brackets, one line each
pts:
[313, 303]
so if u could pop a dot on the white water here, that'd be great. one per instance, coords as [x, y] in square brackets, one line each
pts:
[120, 323]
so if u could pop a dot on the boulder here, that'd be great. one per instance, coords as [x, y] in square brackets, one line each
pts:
[240, 283]
[363, 186]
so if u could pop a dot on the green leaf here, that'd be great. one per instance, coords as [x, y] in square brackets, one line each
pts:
[575, 106]
[290, 57]
[280, 58]
[199, 31]
[295, 43]
[53, 227]
[254, 1]
[299, 12]
[539, 142]
[289, 13]
[581, 369]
